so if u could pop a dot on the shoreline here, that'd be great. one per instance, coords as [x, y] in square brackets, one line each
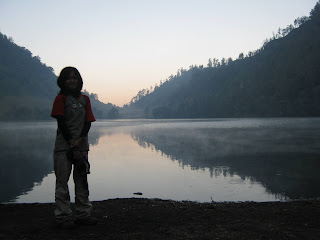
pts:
[141, 218]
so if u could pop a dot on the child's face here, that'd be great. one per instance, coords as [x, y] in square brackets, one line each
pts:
[72, 82]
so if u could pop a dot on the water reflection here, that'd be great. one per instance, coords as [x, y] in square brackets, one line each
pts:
[282, 154]
[227, 159]
[26, 157]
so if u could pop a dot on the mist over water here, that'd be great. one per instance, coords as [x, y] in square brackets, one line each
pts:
[199, 160]
[26, 156]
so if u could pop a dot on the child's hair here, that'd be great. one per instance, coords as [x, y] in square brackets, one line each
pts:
[64, 75]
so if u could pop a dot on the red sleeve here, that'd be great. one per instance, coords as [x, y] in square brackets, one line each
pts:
[89, 114]
[58, 106]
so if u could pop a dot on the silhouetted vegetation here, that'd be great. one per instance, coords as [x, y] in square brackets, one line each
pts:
[28, 87]
[282, 78]
[102, 110]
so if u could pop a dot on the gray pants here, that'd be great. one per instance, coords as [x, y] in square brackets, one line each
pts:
[62, 169]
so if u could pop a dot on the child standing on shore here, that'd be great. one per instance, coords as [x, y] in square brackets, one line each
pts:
[74, 116]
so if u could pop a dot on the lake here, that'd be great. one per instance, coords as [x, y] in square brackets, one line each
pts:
[252, 159]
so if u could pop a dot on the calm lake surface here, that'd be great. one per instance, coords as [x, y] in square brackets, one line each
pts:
[267, 159]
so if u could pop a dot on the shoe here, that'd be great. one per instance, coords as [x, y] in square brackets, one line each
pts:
[86, 221]
[68, 224]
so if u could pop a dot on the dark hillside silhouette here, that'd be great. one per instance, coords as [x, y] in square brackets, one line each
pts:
[28, 87]
[282, 79]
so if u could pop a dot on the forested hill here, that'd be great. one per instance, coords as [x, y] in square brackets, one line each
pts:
[281, 79]
[28, 87]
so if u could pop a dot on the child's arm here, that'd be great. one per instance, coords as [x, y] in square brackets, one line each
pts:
[63, 128]
[58, 113]
[85, 129]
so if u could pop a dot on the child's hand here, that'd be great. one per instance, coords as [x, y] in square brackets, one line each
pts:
[75, 143]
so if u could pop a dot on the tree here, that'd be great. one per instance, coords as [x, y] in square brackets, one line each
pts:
[241, 56]
[300, 20]
[223, 62]
[94, 96]
[216, 62]
[113, 113]
[210, 64]
[315, 13]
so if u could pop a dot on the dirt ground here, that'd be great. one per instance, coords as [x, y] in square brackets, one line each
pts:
[138, 218]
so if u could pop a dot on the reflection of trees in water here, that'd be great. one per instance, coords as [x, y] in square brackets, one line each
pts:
[97, 132]
[285, 161]
[174, 151]
[94, 136]
[26, 158]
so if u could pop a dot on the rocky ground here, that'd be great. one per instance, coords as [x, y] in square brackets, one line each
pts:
[163, 219]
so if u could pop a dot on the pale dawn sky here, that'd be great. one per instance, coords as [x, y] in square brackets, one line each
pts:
[121, 47]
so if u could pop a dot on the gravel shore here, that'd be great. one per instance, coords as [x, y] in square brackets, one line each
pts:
[139, 218]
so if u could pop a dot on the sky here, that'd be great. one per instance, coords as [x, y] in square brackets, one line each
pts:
[121, 47]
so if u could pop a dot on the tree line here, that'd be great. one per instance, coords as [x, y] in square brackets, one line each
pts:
[282, 78]
[28, 86]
